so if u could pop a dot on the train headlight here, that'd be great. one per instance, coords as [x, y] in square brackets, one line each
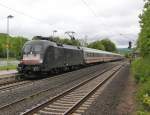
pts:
[41, 61]
[36, 68]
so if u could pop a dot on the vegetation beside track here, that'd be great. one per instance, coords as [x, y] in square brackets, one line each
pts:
[14, 44]
[9, 67]
[141, 66]
[141, 72]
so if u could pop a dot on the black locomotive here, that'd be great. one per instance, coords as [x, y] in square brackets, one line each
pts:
[44, 56]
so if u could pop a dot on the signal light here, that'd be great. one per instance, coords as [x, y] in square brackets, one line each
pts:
[130, 45]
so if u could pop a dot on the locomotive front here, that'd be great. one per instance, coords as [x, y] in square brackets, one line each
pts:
[32, 58]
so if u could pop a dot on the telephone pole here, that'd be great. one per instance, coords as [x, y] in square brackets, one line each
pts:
[7, 40]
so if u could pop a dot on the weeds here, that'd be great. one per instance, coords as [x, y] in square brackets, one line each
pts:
[141, 72]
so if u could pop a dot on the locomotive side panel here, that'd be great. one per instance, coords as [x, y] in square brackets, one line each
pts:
[59, 57]
[48, 62]
[73, 57]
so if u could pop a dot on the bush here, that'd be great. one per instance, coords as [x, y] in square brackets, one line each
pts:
[143, 98]
[141, 69]
[143, 94]
[141, 72]
[143, 113]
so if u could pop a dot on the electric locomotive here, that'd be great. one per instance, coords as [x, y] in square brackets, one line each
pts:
[41, 56]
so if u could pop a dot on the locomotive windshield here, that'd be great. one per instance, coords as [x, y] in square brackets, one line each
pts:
[32, 48]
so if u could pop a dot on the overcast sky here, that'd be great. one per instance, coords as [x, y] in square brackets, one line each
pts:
[91, 19]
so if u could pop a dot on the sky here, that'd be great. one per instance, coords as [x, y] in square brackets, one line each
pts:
[89, 19]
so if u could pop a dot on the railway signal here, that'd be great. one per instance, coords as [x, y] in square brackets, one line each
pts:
[130, 45]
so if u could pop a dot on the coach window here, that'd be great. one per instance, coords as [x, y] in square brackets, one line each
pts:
[88, 54]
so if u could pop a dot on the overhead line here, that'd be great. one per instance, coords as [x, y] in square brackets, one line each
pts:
[24, 14]
[87, 5]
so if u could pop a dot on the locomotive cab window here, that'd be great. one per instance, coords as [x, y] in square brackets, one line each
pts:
[32, 48]
[27, 49]
[37, 48]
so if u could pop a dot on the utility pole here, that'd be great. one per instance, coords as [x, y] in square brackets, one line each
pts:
[54, 31]
[7, 40]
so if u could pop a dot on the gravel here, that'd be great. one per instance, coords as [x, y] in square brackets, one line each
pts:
[107, 102]
[57, 84]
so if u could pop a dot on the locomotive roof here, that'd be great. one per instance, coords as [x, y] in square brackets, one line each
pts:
[47, 43]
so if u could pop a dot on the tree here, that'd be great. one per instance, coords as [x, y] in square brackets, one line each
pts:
[66, 41]
[144, 36]
[104, 44]
[109, 45]
[97, 45]
[15, 45]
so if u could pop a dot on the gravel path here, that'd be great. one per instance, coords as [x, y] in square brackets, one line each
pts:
[127, 104]
[112, 99]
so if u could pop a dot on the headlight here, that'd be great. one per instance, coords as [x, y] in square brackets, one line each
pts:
[41, 61]
[36, 68]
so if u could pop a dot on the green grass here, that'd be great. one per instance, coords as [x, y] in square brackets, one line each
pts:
[141, 69]
[141, 72]
[143, 113]
[10, 67]
[5, 59]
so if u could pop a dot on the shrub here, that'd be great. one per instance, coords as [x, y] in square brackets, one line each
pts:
[143, 94]
[141, 72]
[141, 69]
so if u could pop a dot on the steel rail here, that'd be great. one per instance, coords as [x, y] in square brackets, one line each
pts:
[82, 100]
[53, 99]
[37, 93]
[12, 85]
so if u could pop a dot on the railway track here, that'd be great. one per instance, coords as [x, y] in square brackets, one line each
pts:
[70, 100]
[11, 85]
[17, 84]
[10, 82]
[41, 92]
[8, 79]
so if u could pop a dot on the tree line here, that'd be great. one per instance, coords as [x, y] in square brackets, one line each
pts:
[104, 44]
[141, 66]
[144, 35]
[15, 44]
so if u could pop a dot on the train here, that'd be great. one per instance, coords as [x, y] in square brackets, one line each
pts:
[42, 56]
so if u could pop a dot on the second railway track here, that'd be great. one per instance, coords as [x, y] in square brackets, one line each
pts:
[12, 85]
[68, 101]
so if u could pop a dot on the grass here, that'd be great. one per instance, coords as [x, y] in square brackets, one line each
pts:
[10, 67]
[141, 72]
[5, 59]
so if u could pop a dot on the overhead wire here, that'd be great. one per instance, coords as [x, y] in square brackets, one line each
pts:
[24, 14]
[92, 11]
[41, 21]
[87, 5]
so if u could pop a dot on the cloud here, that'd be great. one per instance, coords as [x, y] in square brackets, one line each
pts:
[38, 17]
